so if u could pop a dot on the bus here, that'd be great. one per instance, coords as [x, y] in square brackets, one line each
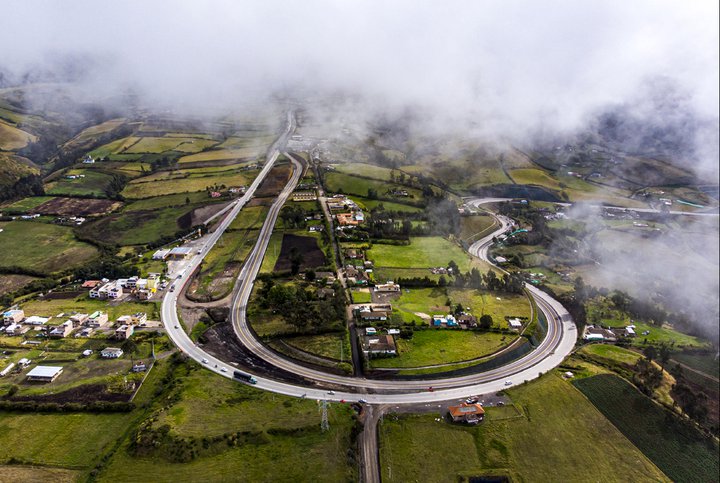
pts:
[245, 377]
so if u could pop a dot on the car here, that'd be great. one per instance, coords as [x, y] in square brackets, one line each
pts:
[205, 361]
[471, 400]
[508, 383]
[362, 401]
[223, 369]
[430, 389]
[177, 326]
[331, 392]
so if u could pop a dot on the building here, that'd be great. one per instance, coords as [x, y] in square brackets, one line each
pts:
[97, 320]
[124, 332]
[24, 362]
[373, 345]
[62, 330]
[304, 196]
[161, 254]
[370, 330]
[346, 219]
[139, 366]
[325, 292]
[36, 320]
[44, 373]
[111, 290]
[111, 353]
[515, 324]
[180, 253]
[467, 413]
[390, 287]
[393, 331]
[79, 319]
[15, 329]
[13, 316]
[373, 315]
[7, 369]
[90, 284]
[598, 333]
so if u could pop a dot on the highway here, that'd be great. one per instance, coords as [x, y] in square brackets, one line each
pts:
[559, 341]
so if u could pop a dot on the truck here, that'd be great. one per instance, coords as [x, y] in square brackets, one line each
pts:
[244, 377]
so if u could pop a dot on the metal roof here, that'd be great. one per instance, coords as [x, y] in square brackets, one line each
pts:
[45, 371]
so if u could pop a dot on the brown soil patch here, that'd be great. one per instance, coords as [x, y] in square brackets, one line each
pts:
[274, 182]
[307, 246]
[199, 215]
[77, 207]
[10, 283]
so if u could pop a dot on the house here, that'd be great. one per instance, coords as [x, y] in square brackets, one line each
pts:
[62, 330]
[85, 332]
[316, 228]
[215, 194]
[378, 345]
[180, 253]
[97, 320]
[15, 329]
[346, 219]
[328, 276]
[24, 362]
[630, 331]
[438, 320]
[79, 319]
[325, 292]
[36, 320]
[87, 352]
[515, 324]
[467, 413]
[111, 290]
[13, 316]
[90, 284]
[353, 253]
[88, 159]
[161, 254]
[373, 315]
[124, 332]
[139, 366]
[44, 373]
[390, 287]
[7, 369]
[598, 333]
[111, 353]
[467, 320]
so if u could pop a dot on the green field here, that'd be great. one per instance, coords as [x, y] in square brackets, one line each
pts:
[496, 304]
[534, 176]
[147, 187]
[223, 154]
[114, 147]
[666, 335]
[334, 345]
[550, 443]
[443, 346]
[473, 228]
[93, 184]
[423, 252]
[676, 447]
[612, 353]
[217, 277]
[28, 204]
[365, 170]
[167, 201]
[705, 363]
[372, 205]
[42, 247]
[361, 296]
[279, 437]
[250, 218]
[339, 182]
[136, 227]
[86, 305]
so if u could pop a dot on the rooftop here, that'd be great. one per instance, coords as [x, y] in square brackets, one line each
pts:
[45, 371]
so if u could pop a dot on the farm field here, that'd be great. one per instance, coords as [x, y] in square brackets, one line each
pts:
[93, 184]
[138, 227]
[705, 363]
[77, 206]
[35, 473]
[286, 443]
[549, 443]
[42, 247]
[167, 201]
[162, 144]
[114, 147]
[27, 204]
[86, 305]
[372, 205]
[612, 353]
[332, 345]
[365, 170]
[677, 448]
[144, 188]
[10, 283]
[666, 335]
[224, 154]
[472, 228]
[339, 182]
[250, 217]
[443, 346]
[423, 252]
[534, 176]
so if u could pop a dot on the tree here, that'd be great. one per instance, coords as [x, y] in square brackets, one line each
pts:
[442, 281]
[296, 259]
[310, 275]
[650, 352]
[129, 346]
[486, 321]
[187, 200]
[664, 355]
[453, 267]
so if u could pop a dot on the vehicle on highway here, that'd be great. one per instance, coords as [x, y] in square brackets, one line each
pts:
[223, 369]
[430, 389]
[205, 361]
[172, 288]
[471, 400]
[177, 326]
[244, 377]
[508, 383]
[362, 401]
[331, 392]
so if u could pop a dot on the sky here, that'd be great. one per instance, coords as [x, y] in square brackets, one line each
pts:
[510, 67]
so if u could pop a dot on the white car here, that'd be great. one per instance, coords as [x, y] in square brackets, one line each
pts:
[223, 369]
[508, 383]
[205, 361]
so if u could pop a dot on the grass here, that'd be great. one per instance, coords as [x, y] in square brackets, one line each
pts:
[233, 246]
[676, 447]
[496, 304]
[12, 138]
[365, 170]
[28, 204]
[147, 187]
[42, 247]
[10, 283]
[167, 201]
[272, 253]
[372, 205]
[334, 345]
[423, 252]
[442, 346]
[339, 182]
[34, 473]
[290, 447]
[534, 176]
[666, 335]
[612, 353]
[86, 305]
[250, 218]
[361, 296]
[93, 184]
[705, 363]
[550, 443]
[156, 144]
[223, 154]
[72, 440]
[472, 228]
